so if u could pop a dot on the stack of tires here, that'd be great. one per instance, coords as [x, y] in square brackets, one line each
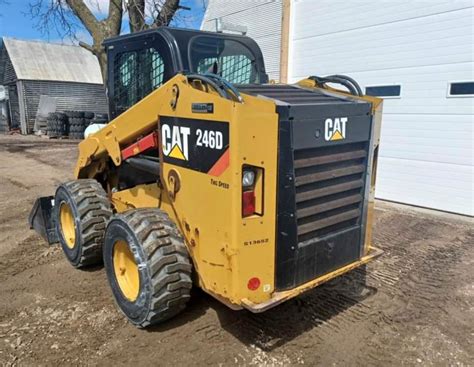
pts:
[100, 118]
[78, 121]
[56, 125]
[72, 123]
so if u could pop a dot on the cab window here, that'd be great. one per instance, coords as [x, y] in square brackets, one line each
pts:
[227, 58]
[137, 74]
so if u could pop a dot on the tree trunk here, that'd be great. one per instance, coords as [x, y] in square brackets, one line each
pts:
[111, 26]
[136, 15]
[102, 57]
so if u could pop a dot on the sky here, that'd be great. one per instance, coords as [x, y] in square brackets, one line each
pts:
[15, 20]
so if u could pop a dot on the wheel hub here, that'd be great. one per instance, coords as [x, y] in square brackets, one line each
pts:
[126, 270]
[68, 228]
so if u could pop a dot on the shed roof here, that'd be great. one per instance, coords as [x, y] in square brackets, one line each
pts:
[35, 60]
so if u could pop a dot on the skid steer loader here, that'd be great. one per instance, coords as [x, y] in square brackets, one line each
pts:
[210, 175]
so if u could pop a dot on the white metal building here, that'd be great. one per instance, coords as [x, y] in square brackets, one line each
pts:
[419, 55]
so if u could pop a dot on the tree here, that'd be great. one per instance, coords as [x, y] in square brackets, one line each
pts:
[68, 16]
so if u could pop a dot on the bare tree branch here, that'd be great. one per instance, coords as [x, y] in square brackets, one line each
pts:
[86, 46]
[68, 16]
[166, 13]
[136, 15]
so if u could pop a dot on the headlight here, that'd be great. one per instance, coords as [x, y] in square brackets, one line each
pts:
[248, 178]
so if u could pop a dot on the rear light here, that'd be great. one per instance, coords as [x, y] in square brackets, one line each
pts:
[252, 191]
[248, 203]
[253, 284]
[248, 178]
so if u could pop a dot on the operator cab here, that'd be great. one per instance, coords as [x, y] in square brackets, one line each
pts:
[141, 62]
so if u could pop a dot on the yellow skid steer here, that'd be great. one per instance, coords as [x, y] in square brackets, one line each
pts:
[209, 175]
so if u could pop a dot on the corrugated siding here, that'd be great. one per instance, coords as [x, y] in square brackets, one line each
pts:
[426, 155]
[70, 96]
[14, 107]
[7, 73]
[262, 19]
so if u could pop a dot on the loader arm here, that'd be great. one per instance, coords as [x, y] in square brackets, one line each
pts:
[141, 118]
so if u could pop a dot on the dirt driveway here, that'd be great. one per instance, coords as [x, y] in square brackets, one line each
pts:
[417, 309]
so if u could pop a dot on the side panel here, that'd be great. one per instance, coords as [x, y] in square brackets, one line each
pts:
[201, 176]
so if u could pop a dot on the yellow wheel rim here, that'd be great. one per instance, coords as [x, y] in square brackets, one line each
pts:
[68, 227]
[126, 270]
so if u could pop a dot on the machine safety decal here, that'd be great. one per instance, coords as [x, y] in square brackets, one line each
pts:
[200, 145]
[335, 129]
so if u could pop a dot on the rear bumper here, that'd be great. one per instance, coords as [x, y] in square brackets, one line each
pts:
[279, 297]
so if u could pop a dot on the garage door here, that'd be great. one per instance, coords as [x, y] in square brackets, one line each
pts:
[420, 56]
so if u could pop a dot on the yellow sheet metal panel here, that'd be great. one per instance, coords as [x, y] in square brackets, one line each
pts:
[228, 250]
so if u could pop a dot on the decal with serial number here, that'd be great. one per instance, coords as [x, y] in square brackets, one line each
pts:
[202, 107]
[200, 145]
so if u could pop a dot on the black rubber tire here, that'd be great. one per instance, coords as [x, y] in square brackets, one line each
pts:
[99, 121]
[60, 116]
[60, 127]
[77, 121]
[102, 116]
[55, 128]
[77, 114]
[164, 265]
[76, 128]
[75, 135]
[91, 209]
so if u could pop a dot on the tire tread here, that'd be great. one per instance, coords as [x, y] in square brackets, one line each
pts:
[168, 262]
[94, 211]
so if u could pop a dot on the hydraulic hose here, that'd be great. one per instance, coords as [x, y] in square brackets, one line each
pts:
[217, 82]
[222, 92]
[351, 85]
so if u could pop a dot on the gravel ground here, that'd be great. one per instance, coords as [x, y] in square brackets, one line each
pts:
[417, 307]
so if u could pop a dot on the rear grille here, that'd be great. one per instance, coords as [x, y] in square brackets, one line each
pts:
[329, 189]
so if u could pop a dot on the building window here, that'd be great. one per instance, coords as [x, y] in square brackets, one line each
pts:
[385, 91]
[461, 89]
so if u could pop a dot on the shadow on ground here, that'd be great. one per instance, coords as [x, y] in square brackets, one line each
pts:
[280, 325]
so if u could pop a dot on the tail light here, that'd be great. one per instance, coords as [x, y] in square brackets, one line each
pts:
[253, 284]
[248, 203]
[252, 191]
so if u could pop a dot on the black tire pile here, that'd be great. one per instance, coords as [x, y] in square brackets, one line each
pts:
[56, 124]
[72, 123]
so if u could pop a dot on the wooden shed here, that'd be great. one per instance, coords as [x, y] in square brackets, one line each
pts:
[30, 69]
